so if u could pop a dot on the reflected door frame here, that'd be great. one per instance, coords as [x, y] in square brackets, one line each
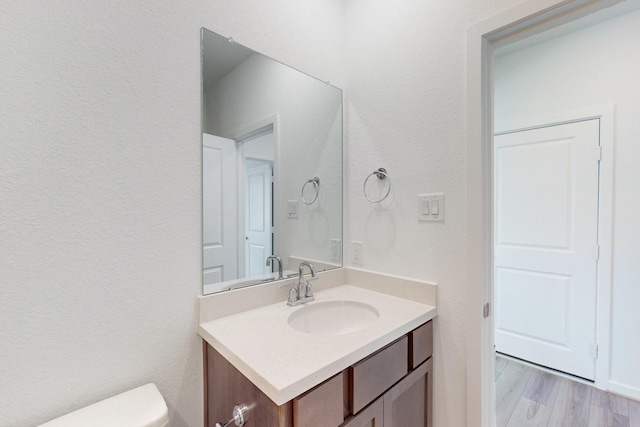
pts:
[240, 134]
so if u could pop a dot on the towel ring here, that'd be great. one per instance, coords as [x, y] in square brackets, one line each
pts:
[380, 173]
[316, 184]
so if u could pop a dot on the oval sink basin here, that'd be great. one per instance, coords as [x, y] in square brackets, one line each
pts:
[333, 317]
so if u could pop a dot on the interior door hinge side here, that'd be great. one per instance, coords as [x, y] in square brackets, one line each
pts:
[485, 311]
[594, 351]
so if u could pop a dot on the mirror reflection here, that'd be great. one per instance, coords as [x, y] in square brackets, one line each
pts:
[272, 168]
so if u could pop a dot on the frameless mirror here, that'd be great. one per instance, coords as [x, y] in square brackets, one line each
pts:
[271, 168]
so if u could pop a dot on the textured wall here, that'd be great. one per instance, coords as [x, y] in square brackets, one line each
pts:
[406, 112]
[100, 254]
[593, 67]
[100, 179]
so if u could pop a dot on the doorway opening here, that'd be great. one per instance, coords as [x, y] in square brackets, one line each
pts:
[255, 176]
[553, 217]
[524, 29]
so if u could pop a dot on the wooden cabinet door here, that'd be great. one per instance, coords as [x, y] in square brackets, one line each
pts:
[372, 416]
[226, 387]
[408, 403]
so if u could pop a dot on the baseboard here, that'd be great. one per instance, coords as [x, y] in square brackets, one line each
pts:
[625, 390]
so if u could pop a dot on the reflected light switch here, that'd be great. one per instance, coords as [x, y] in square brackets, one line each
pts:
[292, 209]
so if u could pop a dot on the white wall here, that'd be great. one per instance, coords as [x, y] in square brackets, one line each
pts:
[100, 147]
[100, 186]
[260, 147]
[592, 67]
[310, 144]
[406, 112]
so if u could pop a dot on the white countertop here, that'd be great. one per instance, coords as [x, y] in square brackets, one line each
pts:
[284, 363]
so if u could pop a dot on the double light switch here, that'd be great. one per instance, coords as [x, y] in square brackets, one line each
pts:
[431, 207]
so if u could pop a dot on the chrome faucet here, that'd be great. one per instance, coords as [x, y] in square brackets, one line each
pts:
[302, 292]
[277, 258]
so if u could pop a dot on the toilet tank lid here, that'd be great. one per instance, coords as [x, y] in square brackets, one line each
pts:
[140, 407]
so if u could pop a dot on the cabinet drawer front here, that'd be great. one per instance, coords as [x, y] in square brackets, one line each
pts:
[375, 374]
[321, 406]
[420, 344]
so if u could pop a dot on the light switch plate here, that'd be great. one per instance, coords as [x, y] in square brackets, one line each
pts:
[292, 209]
[431, 207]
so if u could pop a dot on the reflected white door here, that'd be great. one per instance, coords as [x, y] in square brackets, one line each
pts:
[258, 216]
[219, 210]
[545, 236]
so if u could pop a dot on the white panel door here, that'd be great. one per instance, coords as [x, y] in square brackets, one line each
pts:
[258, 217]
[545, 236]
[219, 210]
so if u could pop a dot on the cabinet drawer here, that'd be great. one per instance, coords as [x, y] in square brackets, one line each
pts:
[370, 377]
[420, 344]
[321, 406]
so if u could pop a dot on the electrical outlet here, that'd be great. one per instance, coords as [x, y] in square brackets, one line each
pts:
[357, 253]
[336, 249]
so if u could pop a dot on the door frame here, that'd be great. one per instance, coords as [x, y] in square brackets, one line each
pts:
[270, 214]
[606, 115]
[529, 17]
[241, 133]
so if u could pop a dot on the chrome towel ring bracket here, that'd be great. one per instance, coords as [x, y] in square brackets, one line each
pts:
[316, 186]
[381, 174]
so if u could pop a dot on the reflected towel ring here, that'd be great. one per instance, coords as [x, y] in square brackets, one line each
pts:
[316, 184]
[380, 173]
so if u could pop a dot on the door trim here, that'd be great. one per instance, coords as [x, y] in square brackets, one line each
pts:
[239, 134]
[606, 116]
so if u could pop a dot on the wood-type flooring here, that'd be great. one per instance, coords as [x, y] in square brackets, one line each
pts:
[526, 396]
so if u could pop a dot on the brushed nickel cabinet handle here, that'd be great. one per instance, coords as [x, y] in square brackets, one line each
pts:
[239, 416]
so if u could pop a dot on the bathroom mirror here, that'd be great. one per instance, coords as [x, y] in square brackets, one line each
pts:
[271, 168]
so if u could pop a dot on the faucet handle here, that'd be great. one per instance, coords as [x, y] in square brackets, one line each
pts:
[293, 294]
[308, 290]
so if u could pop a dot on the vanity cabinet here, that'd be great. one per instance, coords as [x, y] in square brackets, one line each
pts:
[391, 387]
[408, 403]
[372, 416]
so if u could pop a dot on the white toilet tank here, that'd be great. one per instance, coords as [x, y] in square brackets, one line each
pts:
[140, 407]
